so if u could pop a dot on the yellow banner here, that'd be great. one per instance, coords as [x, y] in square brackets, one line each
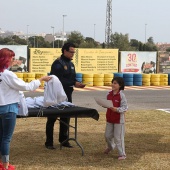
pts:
[85, 60]
[97, 61]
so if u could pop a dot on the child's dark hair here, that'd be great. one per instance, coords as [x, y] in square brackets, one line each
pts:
[120, 81]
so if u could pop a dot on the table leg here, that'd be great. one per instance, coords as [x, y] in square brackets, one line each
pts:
[75, 137]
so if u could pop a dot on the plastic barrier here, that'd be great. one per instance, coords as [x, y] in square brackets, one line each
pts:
[128, 79]
[98, 80]
[19, 75]
[137, 79]
[163, 79]
[118, 74]
[79, 77]
[87, 79]
[146, 79]
[108, 79]
[155, 79]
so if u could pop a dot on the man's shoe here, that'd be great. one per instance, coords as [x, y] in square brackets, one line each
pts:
[50, 147]
[68, 145]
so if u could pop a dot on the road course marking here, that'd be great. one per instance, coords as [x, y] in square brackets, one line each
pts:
[108, 88]
[164, 110]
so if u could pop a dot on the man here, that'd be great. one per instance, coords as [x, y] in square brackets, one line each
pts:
[64, 69]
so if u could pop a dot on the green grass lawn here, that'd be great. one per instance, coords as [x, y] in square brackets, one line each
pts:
[147, 144]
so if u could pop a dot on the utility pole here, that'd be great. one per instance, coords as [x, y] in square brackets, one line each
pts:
[145, 33]
[94, 31]
[108, 29]
[63, 27]
[53, 35]
[27, 34]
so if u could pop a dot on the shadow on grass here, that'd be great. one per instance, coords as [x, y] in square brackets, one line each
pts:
[27, 150]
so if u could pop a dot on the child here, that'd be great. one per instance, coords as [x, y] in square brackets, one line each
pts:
[115, 125]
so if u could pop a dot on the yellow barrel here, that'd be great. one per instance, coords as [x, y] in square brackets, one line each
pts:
[145, 80]
[88, 83]
[163, 79]
[97, 83]
[163, 83]
[107, 83]
[87, 76]
[163, 75]
[146, 75]
[98, 76]
[19, 75]
[108, 76]
[98, 79]
[155, 83]
[28, 79]
[29, 75]
[146, 83]
[39, 75]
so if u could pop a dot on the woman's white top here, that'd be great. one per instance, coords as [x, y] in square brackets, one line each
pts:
[10, 85]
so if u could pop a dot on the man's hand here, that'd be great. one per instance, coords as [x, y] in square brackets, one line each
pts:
[79, 85]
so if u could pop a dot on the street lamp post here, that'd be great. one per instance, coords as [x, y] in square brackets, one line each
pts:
[27, 34]
[34, 41]
[94, 31]
[63, 27]
[53, 35]
[145, 33]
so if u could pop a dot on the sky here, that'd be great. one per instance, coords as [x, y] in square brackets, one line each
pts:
[138, 18]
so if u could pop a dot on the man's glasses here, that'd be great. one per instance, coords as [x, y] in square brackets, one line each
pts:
[72, 52]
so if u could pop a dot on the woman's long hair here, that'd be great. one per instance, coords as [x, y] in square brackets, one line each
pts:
[5, 58]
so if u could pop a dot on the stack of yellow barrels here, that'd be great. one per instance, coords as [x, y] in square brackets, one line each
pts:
[39, 75]
[28, 77]
[98, 80]
[87, 79]
[19, 75]
[155, 79]
[163, 79]
[108, 79]
[146, 79]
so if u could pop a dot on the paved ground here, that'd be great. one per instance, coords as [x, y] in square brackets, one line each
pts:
[106, 88]
[157, 98]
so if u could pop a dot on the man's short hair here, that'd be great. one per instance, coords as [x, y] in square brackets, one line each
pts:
[66, 47]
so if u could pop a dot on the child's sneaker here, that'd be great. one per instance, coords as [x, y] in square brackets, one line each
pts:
[107, 150]
[10, 167]
[122, 157]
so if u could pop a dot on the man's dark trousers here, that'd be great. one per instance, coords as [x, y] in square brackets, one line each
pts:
[63, 133]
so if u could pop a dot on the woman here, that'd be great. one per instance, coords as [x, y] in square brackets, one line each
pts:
[10, 85]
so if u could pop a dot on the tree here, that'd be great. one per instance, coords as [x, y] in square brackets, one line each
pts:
[76, 38]
[140, 46]
[150, 45]
[150, 40]
[57, 43]
[168, 49]
[89, 43]
[37, 42]
[18, 40]
[120, 41]
[135, 44]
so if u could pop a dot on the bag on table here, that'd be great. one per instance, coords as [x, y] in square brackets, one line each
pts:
[54, 92]
[23, 109]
